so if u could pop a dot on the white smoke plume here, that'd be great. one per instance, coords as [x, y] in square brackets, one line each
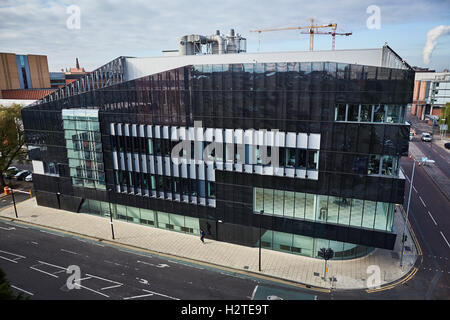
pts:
[431, 43]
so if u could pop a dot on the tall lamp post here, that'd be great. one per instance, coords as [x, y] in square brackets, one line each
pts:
[14, 200]
[110, 214]
[424, 161]
[260, 238]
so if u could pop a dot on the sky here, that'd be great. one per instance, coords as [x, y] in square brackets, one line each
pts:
[98, 31]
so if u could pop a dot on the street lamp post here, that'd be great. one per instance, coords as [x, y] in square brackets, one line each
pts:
[14, 201]
[424, 160]
[110, 214]
[260, 238]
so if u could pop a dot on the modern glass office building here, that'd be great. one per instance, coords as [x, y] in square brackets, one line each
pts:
[304, 146]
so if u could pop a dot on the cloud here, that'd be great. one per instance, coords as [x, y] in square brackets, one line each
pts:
[431, 43]
[112, 28]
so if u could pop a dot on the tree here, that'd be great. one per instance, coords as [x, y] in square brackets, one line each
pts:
[445, 114]
[12, 138]
[6, 292]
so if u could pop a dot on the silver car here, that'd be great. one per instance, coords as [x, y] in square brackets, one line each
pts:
[426, 137]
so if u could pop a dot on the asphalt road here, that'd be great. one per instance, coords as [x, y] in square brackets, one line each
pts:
[36, 263]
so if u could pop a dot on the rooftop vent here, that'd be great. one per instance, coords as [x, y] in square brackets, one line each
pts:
[214, 44]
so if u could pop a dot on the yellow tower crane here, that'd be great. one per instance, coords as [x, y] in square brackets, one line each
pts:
[312, 29]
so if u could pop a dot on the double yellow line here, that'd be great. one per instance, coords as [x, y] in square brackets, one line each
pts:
[392, 285]
[413, 271]
[416, 242]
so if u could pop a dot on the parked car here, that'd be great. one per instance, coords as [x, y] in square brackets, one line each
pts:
[29, 177]
[21, 174]
[447, 145]
[10, 172]
[426, 137]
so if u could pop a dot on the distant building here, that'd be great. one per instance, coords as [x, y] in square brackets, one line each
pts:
[23, 72]
[57, 79]
[60, 79]
[22, 78]
[431, 93]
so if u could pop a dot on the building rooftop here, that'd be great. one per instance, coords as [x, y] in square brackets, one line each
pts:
[26, 94]
[378, 57]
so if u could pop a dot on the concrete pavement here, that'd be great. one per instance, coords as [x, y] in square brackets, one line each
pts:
[349, 274]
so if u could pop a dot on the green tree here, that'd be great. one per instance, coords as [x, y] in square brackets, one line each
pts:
[12, 138]
[445, 114]
[6, 292]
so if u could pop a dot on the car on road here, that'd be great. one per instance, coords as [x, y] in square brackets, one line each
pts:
[411, 136]
[426, 137]
[21, 174]
[29, 177]
[447, 145]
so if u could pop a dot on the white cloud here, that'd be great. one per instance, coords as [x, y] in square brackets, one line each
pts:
[143, 28]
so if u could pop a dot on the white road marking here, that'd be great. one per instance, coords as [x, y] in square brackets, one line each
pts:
[432, 218]
[93, 291]
[97, 244]
[85, 278]
[422, 201]
[27, 292]
[161, 265]
[1, 257]
[445, 238]
[33, 242]
[55, 234]
[254, 291]
[141, 296]
[52, 265]
[142, 255]
[415, 189]
[64, 250]
[160, 294]
[39, 270]
[187, 265]
[117, 284]
[8, 229]
[12, 254]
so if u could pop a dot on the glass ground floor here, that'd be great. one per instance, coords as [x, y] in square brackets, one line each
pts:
[274, 240]
[367, 214]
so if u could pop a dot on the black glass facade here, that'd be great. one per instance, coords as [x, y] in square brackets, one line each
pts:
[357, 111]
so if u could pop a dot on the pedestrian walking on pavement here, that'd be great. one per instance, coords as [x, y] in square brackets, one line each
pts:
[202, 236]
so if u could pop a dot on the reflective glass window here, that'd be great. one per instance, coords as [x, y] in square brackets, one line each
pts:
[278, 202]
[393, 114]
[379, 113]
[340, 111]
[366, 113]
[356, 214]
[374, 164]
[290, 157]
[268, 200]
[353, 112]
[289, 203]
[299, 207]
[369, 214]
[322, 208]
[310, 206]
